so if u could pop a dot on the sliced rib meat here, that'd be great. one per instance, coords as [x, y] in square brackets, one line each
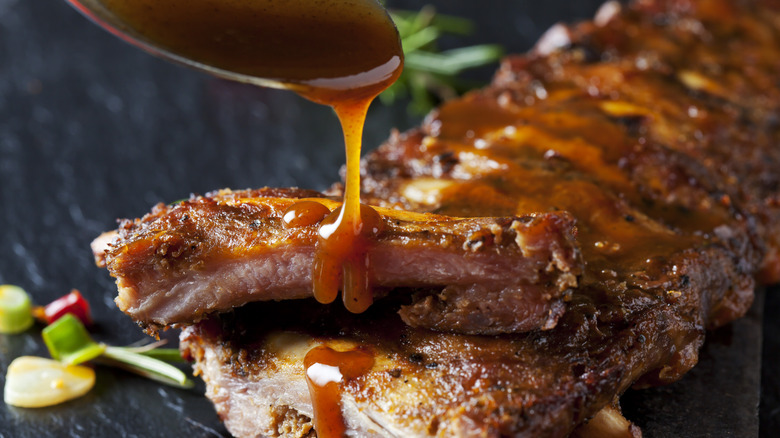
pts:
[214, 253]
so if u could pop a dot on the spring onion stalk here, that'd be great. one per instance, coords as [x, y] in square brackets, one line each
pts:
[431, 75]
[164, 354]
[153, 350]
[145, 366]
[69, 342]
[15, 309]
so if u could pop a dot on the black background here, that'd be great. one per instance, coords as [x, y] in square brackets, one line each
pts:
[92, 130]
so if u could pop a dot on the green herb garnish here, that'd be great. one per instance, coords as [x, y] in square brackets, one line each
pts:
[430, 75]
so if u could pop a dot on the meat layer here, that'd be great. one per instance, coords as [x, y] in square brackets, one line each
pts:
[214, 253]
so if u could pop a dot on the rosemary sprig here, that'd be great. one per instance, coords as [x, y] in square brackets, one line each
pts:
[430, 75]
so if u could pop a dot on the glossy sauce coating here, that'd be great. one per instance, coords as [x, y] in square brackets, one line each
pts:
[546, 160]
[326, 371]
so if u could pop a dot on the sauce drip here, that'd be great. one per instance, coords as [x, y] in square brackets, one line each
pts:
[304, 213]
[326, 371]
[341, 260]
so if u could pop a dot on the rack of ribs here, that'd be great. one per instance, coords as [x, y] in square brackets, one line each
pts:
[639, 149]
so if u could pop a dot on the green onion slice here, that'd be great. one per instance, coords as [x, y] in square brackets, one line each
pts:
[15, 309]
[69, 342]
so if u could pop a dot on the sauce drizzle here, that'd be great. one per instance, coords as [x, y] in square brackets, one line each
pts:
[341, 261]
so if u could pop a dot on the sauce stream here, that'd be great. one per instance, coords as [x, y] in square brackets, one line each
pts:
[340, 53]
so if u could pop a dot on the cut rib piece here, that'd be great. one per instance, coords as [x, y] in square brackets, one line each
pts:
[214, 253]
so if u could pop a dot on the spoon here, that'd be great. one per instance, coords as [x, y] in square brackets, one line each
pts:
[301, 45]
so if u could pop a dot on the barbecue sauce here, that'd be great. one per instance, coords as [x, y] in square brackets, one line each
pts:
[341, 260]
[340, 53]
[326, 370]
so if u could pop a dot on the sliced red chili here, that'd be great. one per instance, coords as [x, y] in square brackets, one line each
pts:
[71, 303]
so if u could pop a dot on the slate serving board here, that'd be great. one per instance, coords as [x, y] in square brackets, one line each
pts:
[92, 130]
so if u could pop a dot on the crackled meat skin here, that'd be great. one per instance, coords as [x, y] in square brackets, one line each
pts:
[214, 253]
[656, 128]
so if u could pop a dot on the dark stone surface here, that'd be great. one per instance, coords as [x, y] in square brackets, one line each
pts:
[769, 412]
[718, 398]
[92, 130]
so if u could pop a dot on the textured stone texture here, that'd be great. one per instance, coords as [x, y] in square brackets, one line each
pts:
[92, 130]
[718, 398]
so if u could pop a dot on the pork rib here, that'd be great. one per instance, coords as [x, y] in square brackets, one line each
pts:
[213, 253]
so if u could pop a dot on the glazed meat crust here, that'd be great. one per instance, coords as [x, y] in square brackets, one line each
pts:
[621, 133]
